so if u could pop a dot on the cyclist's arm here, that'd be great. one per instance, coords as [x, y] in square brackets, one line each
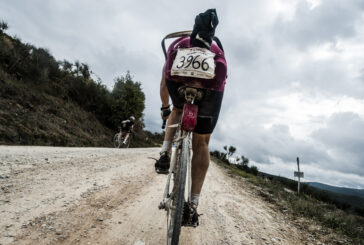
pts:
[132, 128]
[164, 91]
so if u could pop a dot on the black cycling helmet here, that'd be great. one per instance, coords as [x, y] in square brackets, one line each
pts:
[204, 29]
[132, 118]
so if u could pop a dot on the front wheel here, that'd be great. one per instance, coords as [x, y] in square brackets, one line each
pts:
[117, 140]
[175, 213]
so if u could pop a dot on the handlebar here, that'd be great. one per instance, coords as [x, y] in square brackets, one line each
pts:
[184, 34]
[173, 35]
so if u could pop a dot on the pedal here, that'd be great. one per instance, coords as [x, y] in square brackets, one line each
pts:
[162, 205]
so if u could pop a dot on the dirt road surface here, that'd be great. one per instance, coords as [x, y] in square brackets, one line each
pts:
[58, 195]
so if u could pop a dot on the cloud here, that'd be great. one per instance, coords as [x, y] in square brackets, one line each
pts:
[276, 142]
[295, 69]
[324, 131]
[342, 139]
[327, 22]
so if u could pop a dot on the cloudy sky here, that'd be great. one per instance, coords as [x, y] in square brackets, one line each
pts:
[295, 70]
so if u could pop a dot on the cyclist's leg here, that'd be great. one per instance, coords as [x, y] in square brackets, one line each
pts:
[122, 134]
[208, 114]
[174, 118]
[162, 165]
[176, 112]
[200, 161]
[200, 164]
[126, 136]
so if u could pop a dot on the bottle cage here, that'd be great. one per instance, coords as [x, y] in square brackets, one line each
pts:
[185, 34]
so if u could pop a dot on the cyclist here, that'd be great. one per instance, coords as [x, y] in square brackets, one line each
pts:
[208, 108]
[127, 126]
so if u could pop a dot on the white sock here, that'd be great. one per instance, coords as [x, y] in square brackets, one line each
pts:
[195, 198]
[167, 146]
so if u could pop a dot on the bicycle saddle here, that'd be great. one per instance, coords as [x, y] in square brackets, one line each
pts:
[190, 94]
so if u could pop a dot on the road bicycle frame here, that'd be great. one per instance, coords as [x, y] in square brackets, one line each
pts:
[174, 198]
[185, 128]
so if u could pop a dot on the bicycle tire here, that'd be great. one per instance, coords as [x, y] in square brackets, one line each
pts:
[116, 140]
[179, 195]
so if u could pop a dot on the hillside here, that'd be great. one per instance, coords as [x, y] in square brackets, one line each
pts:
[347, 197]
[343, 198]
[48, 102]
[33, 118]
[312, 204]
[336, 189]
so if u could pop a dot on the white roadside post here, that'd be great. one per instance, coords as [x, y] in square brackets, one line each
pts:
[298, 174]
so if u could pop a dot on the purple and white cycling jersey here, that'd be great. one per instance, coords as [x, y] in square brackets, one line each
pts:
[217, 83]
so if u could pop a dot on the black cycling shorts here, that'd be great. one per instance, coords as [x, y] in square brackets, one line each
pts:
[208, 107]
[125, 130]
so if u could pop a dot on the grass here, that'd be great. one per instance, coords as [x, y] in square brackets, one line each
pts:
[252, 178]
[304, 206]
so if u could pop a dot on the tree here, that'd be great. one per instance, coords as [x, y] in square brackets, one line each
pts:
[85, 71]
[244, 161]
[229, 151]
[232, 150]
[3, 25]
[44, 66]
[77, 68]
[66, 66]
[128, 99]
[254, 170]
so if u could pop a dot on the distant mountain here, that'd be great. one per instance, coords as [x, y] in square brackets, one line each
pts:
[340, 190]
[340, 196]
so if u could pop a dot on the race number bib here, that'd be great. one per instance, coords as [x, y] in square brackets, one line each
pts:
[194, 62]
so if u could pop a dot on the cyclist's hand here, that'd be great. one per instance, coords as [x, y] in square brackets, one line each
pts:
[165, 111]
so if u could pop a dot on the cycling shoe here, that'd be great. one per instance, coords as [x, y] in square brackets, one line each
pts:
[190, 215]
[162, 165]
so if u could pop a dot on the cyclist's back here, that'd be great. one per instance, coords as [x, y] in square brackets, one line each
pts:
[126, 125]
[217, 83]
[209, 106]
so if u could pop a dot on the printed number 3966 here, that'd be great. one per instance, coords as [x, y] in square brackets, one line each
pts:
[192, 61]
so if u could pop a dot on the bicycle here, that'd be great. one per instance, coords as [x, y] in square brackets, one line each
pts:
[180, 166]
[173, 201]
[118, 139]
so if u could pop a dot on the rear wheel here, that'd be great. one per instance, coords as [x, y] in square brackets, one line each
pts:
[175, 213]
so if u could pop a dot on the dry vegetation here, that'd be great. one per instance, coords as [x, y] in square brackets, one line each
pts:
[339, 226]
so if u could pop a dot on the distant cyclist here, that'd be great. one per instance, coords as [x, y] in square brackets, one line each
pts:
[127, 126]
[208, 108]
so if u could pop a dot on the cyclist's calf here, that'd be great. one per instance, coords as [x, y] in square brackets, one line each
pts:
[200, 160]
[200, 147]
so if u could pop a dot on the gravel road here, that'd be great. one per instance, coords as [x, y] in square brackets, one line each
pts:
[60, 195]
